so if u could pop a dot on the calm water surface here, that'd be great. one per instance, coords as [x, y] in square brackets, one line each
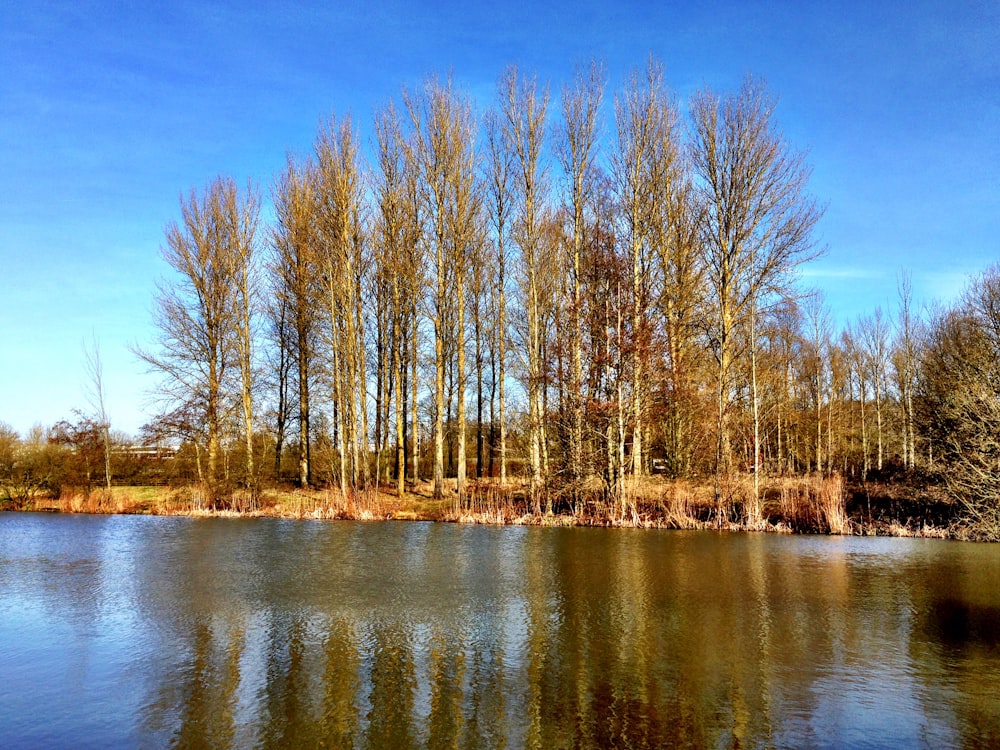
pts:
[157, 632]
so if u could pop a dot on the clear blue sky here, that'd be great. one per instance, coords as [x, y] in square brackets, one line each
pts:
[110, 110]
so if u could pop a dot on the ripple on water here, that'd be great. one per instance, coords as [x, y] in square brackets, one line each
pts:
[144, 632]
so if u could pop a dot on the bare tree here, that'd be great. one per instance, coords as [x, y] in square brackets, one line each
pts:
[339, 234]
[243, 216]
[757, 228]
[277, 369]
[500, 202]
[577, 146]
[523, 108]
[817, 365]
[294, 268]
[655, 216]
[959, 401]
[874, 332]
[856, 346]
[674, 232]
[905, 364]
[198, 314]
[443, 125]
[94, 369]
[391, 225]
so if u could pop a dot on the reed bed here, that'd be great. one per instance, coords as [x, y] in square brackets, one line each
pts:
[815, 503]
[803, 504]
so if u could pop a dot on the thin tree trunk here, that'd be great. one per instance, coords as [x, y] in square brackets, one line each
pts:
[414, 415]
[460, 378]
[398, 368]
[755, 511]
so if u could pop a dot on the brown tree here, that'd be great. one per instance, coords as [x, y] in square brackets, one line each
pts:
[523, 109]
[757, 228]
[904, 360]
[577, 150]
[874, 334]
[392, 263]
[958, 398]
[200, 313]
[443, 128]
[94, 368]
[343, 265]
[499, 201]
[293, 270]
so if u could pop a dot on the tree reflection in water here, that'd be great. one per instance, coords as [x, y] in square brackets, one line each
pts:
[259, 634]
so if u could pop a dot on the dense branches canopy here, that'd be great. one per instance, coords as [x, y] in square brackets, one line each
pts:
[959, 400]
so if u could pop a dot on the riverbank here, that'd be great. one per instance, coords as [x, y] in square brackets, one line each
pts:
[811, 505]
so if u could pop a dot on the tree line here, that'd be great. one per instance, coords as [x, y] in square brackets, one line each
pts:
[585, 291]
[561, 293]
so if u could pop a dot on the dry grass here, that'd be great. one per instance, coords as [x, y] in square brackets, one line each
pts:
[120, 500]
[360, 505]
[831, 500]
[924, 531]
[488, 503]
[680, 502]
[810, 504]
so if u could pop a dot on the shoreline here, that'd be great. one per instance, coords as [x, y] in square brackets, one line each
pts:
[795, 506]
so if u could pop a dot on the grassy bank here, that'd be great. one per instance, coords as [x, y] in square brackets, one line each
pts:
[811, 504]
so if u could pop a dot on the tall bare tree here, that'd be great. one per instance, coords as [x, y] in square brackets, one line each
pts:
[523, 108]
[94, 369]
[905, 356]
[674, 231]
[959, 401]
[391, 223]
[500, 164]
[443, 126]
[647, 185]
[340, 242]
[243, 217]
[199, 313]
[817, 365]
[757, 228]
[278, 367]
[577, 146]
[294, 269]
[874, 331]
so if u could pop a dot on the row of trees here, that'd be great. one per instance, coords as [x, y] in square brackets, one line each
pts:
[608, 296]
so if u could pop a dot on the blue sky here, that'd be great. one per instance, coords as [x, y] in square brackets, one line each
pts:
[109, 111]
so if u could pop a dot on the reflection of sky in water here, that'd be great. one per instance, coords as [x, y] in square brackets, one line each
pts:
[73, 647]
[878, 707]
[124, 631]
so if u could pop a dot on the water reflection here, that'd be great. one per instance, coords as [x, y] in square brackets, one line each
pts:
[217, 633]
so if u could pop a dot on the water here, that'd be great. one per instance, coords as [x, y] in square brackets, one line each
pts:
[157, 632]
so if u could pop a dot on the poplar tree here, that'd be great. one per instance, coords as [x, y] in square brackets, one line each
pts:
[202, 316]
[523, 109]
[443, 129]
[577, 151]
[500, 164]
[756, 229]
[343, 265]
[293, 269]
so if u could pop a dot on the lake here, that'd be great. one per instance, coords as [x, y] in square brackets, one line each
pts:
[132, 631]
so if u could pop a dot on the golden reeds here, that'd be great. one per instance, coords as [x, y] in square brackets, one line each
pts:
[810, 504]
